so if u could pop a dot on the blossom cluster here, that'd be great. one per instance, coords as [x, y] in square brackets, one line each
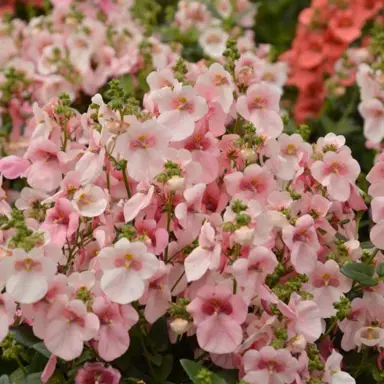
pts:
[78, 46]
[371, 108]
[324, 32]
[196, 207]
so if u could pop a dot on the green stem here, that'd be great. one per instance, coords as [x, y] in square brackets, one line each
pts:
[177, 281]
[147, 356]
[125, 179]
[21, 366]
[331, 327]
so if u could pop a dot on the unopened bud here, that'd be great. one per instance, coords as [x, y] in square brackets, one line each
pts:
[176, 183]
[249, 155]
[179, 326]
[298, 344]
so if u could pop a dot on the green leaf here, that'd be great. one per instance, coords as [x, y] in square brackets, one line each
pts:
[362, 273]
[24, 335]
[42, 349]
[194, 369]
[165, 369]
[380, 269]
[366, 244]
[4, 380]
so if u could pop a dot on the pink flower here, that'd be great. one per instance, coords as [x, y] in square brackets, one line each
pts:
[218, 315]
[61, 221]
[97, 373]
[49, 369]
[7, 313]
[144, 145]
[328, 285]
[115, 322]
[45, 172]
[218, 83]
[333, 373]
[303, 318]
[269, 366]
[377, 231]
[260, 106]
[29, 197]
[90, 201]
[137, 203]
[179, 109]
[303, 242]
[27, 274]
[157, 297]
[213, 40]
[254, 183]
[337, 172]
[373, 113]
[126, 267]
[205, 256]
[250, 272]
[69, 326]
[13, 167]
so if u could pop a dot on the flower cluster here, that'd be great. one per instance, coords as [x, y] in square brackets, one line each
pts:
[371, 83]
[80, 45]
[324, 32]
[196, 208]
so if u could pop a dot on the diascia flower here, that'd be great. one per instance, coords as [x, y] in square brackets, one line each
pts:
[337, 172]
[218, 315]
[27, 274]
[205, 256]
[260, 106]
[126, 267]
[70, 325]
[270, 366]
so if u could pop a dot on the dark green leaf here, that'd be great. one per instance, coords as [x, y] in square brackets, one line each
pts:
[193, 369]
[380, 269]
[38, 363]
[362, 273]
[41, 348]
[165, 369]
[24, 335]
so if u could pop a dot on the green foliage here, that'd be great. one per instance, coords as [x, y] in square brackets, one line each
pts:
[361, 273]
[276, 21]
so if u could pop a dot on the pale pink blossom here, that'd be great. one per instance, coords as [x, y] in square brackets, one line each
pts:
[333, 373]
[260, 106]
[328, 285]
[303, 242]
[269, 366]
[218, 83]
[69, 326]
[126, 268]
[304, 318]
[179, 109]
[373, 113]
[27, 274]
[213, 40]
[337, 172]
[115, 321]
[218, 315]
[254, 183]
[144, 145]
[7, 313]
[205, 256]
[61, 221]
[90, 201]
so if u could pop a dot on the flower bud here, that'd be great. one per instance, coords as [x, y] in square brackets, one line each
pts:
[179, 326]
[298, 344]
[176, 183]
[249, 155]
[244, 235]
